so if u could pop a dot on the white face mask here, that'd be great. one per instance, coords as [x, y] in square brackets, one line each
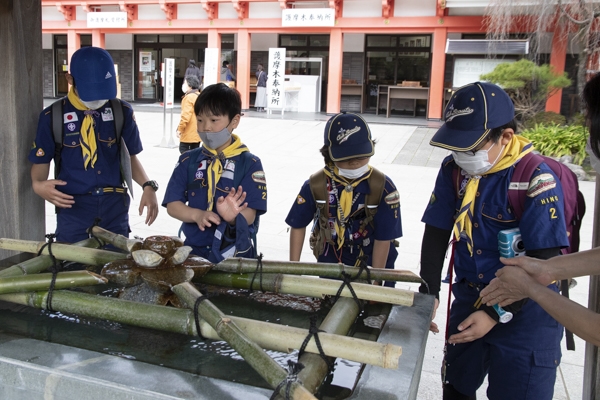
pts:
[594, 161]
[214, 140]
[475, 164]
[353, 173]
[185, 87]
[94, 104]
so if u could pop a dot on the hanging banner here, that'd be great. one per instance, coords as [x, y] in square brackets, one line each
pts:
[116, 19]
[275, 81]
[169, 82]
[211, 66]
[308, 17]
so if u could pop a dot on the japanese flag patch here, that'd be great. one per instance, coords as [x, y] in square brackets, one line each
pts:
[70, 117]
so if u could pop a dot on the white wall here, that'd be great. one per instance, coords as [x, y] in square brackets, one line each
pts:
[226, 11]
[264, 10]
[150, 12]
[361, 8]
[118, 41]
[354, 42]
[191, 11]
[52, 14]
[263, 41]
[412, 8]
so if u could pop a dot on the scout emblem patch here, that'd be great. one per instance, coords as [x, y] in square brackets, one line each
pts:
[541, 184]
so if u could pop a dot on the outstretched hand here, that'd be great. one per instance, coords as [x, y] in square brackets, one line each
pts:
[513, 282]
[231, 205]
[150, 202]
[47, 190]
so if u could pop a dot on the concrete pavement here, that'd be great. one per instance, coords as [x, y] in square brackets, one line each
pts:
[289, 152]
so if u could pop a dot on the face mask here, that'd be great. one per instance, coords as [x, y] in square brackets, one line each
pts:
[185, 87]
[94, 104]
[475, 164]
[214, 140]
[594, 161]
[353, 173]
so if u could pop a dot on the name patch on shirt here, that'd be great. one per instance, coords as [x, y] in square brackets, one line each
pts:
[107, 114]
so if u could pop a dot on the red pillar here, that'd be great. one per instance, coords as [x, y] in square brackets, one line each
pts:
[334, 83]
[243, 67]
[98, 39]
[438, 66]
[558, 57]
[73, 42]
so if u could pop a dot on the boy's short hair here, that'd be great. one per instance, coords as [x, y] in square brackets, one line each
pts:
[347, 136]
[219, 99]
[472, 112]
[192, 81]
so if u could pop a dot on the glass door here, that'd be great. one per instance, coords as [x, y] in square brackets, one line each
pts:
[148, 85]
[61, 68]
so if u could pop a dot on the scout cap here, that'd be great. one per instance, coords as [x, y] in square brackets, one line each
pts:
[94, 73]
[472, 112]
[348, 136]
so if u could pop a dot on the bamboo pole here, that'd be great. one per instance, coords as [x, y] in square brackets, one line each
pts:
[266, 367]
[310, 286]
[64, 280]
[119, 241]
[63, 251]
[338, 321]
[265, 334]
[40, 263]
[329, 270]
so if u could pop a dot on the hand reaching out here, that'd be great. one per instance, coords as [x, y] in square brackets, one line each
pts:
[231, 205]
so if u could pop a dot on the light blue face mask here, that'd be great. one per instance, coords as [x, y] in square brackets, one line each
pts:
[214, 140]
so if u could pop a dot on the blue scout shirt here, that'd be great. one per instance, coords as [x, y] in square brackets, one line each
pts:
[387, 224]
[107, 169]
[253, 183]
[542, 224]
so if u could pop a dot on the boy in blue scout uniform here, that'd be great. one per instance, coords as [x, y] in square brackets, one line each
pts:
[347, 151]
[89, 184]
[217, 217]
[520, 356]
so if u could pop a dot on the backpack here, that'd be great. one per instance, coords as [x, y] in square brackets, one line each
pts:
[57, 130]
[321, 232]
[574, 202]
[241, 168]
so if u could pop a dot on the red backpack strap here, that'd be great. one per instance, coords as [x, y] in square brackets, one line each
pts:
[519, 182]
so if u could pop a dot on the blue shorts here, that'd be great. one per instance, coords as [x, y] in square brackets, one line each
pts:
[111, 208]
[520, 356]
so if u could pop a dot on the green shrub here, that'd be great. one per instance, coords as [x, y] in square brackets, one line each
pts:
[545, 118]
[557, 141]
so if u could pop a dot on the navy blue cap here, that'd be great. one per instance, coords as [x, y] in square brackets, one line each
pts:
[348, 136]
[94, 73]
[472, 112]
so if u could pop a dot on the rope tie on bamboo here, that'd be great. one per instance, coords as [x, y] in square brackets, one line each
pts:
[362, 266]
[294, 369]
[259, 271]
[205, 296]
[346, 281]
[313, 331]
[89, 231]
[55, 268]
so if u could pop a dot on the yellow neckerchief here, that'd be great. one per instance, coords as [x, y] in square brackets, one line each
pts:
[87, 137]
[344, 200]
[216, 168]
[514, 151]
